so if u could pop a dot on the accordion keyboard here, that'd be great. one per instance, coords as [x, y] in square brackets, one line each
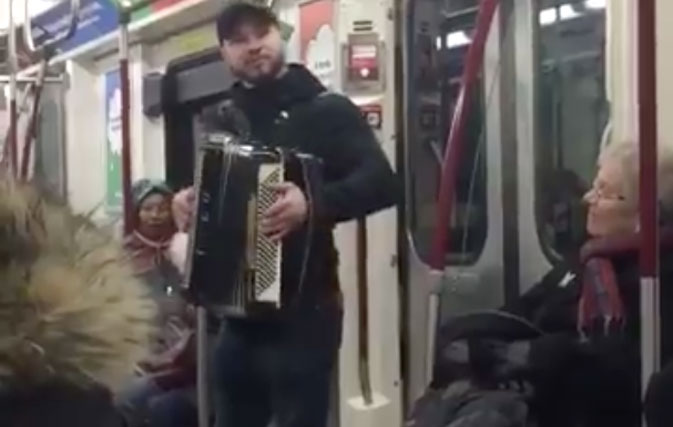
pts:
[268, 253]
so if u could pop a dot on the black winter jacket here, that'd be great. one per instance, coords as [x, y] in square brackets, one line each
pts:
[58, 404]
[296, 112]
[595, 381]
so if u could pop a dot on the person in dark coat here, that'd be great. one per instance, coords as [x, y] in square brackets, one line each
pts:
[75, 320]
[149, 249]
[658, 398]
[279, 368]
[586, 366]
[164, 393]
[575, 336]
[149, 243]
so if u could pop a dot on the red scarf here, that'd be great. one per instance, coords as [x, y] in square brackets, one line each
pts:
[146, 254]
[601, 300]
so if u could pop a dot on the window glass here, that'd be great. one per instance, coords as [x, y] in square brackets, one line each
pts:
[572, 115]
[439, 39]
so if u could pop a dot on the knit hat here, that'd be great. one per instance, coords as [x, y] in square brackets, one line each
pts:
[145, 187]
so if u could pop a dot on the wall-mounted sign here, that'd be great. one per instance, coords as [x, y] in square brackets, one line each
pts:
[97, 18]
[373, 115]
[317, 39]
[363, 62]
[113, 143]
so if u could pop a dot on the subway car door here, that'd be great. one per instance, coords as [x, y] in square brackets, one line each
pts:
[561, 117]
[478, 273]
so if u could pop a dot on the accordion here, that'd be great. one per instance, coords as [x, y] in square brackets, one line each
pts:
[233, 269]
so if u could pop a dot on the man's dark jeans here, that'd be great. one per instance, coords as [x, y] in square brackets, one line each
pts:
[277, 370]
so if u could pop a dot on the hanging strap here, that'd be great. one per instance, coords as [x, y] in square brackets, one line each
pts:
[33, 119]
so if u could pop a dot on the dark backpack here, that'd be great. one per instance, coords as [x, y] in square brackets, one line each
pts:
[462, 406]
[466, 389]
[481, 337]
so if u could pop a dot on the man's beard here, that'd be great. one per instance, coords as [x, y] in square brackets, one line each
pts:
[277, 66]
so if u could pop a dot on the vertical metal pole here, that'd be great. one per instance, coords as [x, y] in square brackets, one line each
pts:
[13, 69]
[363, 313]
[202, 394]
[125, 86]
[431, 328]
[649, 215]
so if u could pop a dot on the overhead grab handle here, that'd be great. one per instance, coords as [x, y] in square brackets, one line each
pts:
[57, 38]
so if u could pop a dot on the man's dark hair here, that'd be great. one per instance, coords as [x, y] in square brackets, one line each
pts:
[241, 12]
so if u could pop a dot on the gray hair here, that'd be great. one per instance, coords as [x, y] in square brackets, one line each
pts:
[627, 154]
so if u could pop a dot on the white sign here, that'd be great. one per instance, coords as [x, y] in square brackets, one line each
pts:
[321, 56]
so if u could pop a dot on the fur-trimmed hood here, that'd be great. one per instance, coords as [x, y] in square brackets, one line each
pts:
[70, 307]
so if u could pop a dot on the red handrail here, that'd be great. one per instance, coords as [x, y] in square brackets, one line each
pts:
[649, 212]
[6, 166]
[454, 145]
[12, 140]
[31, 132]
[12, 61]
[647, 94]
[125, 12]
[125, 84]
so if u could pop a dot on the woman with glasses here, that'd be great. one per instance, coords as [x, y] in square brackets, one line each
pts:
[584, 363]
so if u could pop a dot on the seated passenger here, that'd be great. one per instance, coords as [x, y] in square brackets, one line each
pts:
[73, 319]
[596, 379]
[163, 394]
[659, 397]
[585, 366]
[149, 244]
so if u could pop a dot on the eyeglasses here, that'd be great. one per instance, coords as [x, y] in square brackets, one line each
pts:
[599, 194]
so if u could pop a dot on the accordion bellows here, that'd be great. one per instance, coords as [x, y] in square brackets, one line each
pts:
[70, 307]
[233, 268]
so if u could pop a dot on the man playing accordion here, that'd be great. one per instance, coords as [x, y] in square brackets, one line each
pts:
[279, 367]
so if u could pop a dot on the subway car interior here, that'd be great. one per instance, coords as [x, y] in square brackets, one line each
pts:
[494, 115]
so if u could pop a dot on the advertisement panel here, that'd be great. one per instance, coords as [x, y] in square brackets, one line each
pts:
[113, 143]
[97, 18]
[318, 44]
